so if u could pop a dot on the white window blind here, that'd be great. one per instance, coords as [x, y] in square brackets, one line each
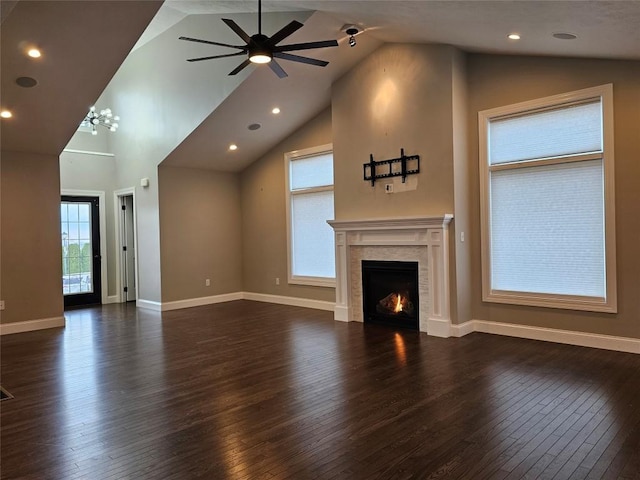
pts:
[547, 229]
[313, 171]
[312, 237]
[310, 206]
[548, 206]
[563, 131]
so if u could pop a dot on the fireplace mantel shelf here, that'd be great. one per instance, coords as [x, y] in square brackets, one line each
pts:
[392, 223]
[424, 239]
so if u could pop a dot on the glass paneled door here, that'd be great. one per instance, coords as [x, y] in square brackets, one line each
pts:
[81, 273]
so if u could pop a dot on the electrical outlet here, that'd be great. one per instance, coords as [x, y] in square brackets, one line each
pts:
[462, 237]
[277, 281]
[207, 283]
[1, 304]
[388, 188]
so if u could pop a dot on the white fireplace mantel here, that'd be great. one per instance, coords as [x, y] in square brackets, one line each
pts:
[396, 239]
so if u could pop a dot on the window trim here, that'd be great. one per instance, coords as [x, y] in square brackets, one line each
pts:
[604, 93]
[288, 158]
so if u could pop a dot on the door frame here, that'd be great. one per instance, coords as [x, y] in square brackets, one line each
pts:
[103, 234]
[117, 203]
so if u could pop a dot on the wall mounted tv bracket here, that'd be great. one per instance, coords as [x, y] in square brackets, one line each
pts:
[394, 167]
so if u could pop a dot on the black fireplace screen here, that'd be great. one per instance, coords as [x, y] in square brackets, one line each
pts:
[390, 293]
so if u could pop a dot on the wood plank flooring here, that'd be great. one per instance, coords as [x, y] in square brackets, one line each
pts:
[248, 390]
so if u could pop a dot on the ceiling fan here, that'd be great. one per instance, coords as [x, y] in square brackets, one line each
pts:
[260, 48]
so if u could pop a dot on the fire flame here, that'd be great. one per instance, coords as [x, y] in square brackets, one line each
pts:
[398, 307]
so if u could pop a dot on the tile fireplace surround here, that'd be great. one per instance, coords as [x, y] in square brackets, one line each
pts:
[417, 239]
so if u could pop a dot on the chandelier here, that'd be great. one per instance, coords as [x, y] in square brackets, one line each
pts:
[103, 117]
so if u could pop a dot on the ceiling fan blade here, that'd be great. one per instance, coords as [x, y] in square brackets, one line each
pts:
[240, 67]
[277, 69]
[215, 56]
[236, 28]
[284, 32]
[189, 39]
[305, 46]
[298, 58]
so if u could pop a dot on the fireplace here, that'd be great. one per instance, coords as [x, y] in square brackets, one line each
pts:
[422, 240]
[390, 293]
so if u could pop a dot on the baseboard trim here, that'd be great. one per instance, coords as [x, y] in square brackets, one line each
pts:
[293, 301]
[463, 329]
[436, 327]
[341, 314]
[229, 297]
[112, 299]
[200, 301]
[581, 339]
[149, 305]
[31, 325]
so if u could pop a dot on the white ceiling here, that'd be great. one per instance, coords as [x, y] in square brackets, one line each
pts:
[604, 29]
[607, 29]
[300, 96]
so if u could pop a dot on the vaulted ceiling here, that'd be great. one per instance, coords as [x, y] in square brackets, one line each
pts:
[86, 42]
[83, 46]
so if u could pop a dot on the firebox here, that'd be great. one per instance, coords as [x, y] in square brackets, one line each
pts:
[390, 293]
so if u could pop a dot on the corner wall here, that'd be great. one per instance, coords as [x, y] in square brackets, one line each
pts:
[264, 224]
[460, 250]
[200, 229]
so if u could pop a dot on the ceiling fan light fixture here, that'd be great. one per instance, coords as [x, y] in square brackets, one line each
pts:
[260, 57]
[262, 49]
[259, 52]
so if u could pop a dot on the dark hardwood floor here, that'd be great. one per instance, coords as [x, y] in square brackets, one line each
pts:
[247, 390]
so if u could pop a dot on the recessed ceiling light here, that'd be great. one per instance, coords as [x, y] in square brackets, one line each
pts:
[513, 36]
[34, 53]
[233, 146]
[6, 114]
[565, 36]
[275, 111]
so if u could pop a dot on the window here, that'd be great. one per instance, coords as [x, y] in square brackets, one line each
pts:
[547, 202]
[311, 245]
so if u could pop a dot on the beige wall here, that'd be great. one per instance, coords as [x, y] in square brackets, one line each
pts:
[200, 233]
[31, 251]
[264, 224]
[502, 80]
[460, 253]
[398, 97]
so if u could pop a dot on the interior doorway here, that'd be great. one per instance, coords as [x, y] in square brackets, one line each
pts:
[127, 246]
